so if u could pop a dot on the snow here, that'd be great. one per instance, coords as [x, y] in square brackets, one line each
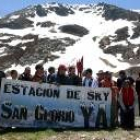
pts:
[27, 40]
[24, 47]
[16, 32]
[15, 42]
[4, 37]
[91, 54]
[2, 51]
[3, 54]
[135, 50]
[138, 10]
[135, 41]
[119, 56]
[47, 5]
[14, 16]
[84, 46]
[124, 43]
[53, 4]
[130, 30]
[82, 6]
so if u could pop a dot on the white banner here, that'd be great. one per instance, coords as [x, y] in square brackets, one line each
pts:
[30, 104]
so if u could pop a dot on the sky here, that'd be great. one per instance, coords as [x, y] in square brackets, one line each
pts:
[8, 6]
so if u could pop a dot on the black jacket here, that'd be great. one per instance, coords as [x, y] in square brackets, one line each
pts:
[24, 77]
[120, 81]
[74, 80]
[59, 79]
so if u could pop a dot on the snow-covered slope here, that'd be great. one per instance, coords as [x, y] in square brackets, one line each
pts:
[37, 34]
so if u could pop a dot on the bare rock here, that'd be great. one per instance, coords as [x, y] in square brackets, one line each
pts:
[74, 30]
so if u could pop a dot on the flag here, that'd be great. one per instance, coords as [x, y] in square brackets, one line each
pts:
[80, 66]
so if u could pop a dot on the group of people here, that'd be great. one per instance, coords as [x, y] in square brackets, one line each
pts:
[123, 90]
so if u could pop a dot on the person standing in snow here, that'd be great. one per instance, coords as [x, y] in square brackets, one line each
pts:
[127, 101]
[89, 81]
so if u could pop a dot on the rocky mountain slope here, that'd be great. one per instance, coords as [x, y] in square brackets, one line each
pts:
[107, 36]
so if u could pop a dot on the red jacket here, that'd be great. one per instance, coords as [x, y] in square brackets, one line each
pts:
[128, 96]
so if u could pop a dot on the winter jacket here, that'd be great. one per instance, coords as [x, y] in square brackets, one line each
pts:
[24, 77]
[51, 78]
[120, 82]
[127, 97]
[59, 79]
[74, 80]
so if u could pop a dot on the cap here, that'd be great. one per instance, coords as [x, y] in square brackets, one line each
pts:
[100, 72]
[62, 67]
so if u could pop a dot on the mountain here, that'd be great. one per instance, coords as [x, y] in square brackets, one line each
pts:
[108, 37]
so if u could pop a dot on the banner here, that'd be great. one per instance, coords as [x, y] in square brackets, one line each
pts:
[30, 104]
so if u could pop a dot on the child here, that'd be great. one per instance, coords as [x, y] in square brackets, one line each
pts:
[89, 81]
[127, 101]
[14, 75]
